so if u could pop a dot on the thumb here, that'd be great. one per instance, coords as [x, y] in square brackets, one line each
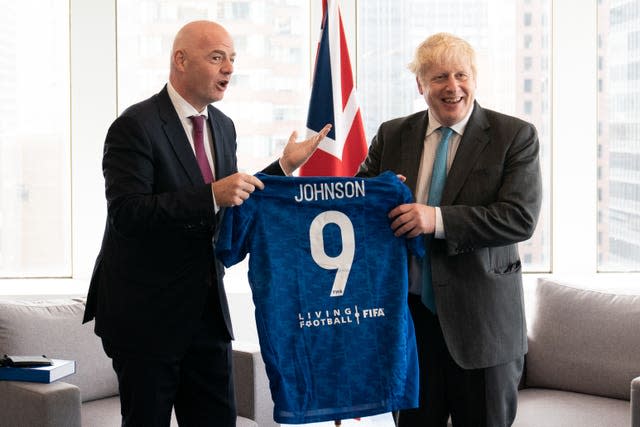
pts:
[294, 136]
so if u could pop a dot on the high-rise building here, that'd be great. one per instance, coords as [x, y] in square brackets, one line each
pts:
[619, 135]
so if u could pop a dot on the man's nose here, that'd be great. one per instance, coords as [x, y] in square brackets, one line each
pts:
[452, 83]
[227, 66]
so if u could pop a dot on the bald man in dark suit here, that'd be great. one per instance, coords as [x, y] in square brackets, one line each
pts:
[156, 292]
[468, 311]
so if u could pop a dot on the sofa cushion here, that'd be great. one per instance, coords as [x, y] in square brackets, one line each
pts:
[583, 340]
[54, 327]
[553, 408]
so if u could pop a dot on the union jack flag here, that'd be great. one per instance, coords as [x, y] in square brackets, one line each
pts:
[333, 100]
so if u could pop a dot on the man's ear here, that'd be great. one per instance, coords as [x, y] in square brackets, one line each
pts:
[419, 85]
[179, 58]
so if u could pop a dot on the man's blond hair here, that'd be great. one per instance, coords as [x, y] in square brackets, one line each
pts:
[442, 48]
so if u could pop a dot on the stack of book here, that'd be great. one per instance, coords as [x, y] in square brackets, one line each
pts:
[42, 374]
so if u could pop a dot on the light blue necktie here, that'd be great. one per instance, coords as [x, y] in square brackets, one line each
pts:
[438, 179]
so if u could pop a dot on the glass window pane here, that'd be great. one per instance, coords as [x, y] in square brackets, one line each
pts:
[35, 186]
[269, 91]
[388, 33]
[619, 135]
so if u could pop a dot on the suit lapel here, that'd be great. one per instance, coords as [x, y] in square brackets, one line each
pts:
[411, 146]
[218, 143]
[174, 131]
[473, 142]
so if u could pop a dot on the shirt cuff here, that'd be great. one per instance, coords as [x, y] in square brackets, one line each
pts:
[280, 164]
[216, 208]
[439, 233]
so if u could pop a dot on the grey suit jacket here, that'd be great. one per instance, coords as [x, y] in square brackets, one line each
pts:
[491, 202]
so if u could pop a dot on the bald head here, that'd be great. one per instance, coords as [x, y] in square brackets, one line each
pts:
[197, 34]
[201, 62]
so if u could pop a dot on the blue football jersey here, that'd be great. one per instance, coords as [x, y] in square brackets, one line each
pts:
[329, 284]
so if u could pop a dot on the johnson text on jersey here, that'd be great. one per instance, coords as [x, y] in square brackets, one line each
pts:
[330, 190]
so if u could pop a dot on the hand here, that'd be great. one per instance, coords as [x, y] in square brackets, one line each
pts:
[413, 219]
[234, 189]
[295, 154]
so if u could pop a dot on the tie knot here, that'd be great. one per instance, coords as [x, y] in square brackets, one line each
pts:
[445, 132]
[198, 121]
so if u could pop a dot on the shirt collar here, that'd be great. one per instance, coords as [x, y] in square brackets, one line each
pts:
[458, 128]
[183, 108]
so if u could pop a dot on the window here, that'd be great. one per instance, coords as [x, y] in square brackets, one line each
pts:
[619, 139]
[528, 40]
[527, 19]
[270, 87]
[527, 107]
[240, 10]
[387, 38]
[528, 84]
[528, 63]
[35, 135]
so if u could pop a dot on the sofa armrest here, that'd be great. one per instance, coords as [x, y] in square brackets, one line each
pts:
[635, 402]
[39, 405]
[253, 397]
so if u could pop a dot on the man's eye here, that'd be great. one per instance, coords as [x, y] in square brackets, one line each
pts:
[216, 59]
[462, 76]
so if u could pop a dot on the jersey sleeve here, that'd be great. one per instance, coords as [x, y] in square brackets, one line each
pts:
[233, 242]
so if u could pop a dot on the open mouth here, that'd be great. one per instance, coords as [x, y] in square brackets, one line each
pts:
[452, 100]
[222, 84]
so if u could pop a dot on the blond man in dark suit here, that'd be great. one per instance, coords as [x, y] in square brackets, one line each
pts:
[471, 334]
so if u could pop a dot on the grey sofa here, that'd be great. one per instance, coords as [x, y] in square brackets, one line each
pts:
[583, 364]
[53, 326]
[582, 369]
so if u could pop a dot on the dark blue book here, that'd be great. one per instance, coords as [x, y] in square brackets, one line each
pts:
[39, 374]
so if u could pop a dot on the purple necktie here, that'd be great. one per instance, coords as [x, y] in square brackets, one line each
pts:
[198, 142]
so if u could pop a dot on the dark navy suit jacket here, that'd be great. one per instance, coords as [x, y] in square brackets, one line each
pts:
[157, 263]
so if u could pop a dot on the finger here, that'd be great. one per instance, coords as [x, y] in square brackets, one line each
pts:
[244, 191]
[243, 195]
[397, 211]
[405, 229]
[413, 233]
[293, 137]
[255, 182]
[325, 130]
[400, 222]
[249, 188]
[318, 137]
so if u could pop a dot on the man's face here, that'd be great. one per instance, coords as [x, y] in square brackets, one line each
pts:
[207, 67]
[449, 90]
